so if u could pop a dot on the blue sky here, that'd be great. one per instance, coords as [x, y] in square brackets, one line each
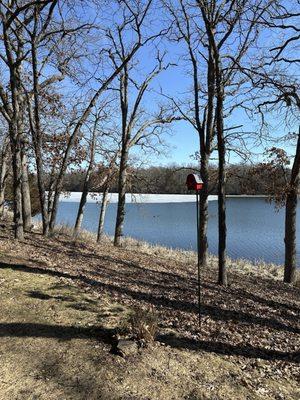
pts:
[176, 81]
[183, 141]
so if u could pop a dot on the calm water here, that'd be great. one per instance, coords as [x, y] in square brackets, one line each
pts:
[255, 228]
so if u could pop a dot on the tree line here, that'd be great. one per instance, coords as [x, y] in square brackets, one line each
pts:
[77, 95]
[241, 180]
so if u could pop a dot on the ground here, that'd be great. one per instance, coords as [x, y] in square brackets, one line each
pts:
[62, 302]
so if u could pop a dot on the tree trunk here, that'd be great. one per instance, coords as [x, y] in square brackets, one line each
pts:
[86, 185]
[15, 132]
[50, 200]
[290, 238]
[222, 217]
[222, 278]
[206, 136]
[290, 263]
[102, 213]
[17, 181]
[122, 187]
[42, 193]
[37, 141]
[3, 177]
[203, 214]
[26, 200]
[82, 203]
[54, 206]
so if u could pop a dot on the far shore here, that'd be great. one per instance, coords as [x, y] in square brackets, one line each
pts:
[74, 197]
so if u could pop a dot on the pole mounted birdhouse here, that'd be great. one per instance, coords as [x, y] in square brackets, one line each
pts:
[193, 182]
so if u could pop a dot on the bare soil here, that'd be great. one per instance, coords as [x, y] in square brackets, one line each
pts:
[62, 301]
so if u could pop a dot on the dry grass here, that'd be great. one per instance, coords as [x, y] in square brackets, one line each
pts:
[55, 345]
[242, 266]
[62, 300]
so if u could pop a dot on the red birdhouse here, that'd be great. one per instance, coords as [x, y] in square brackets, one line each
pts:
[193, 182]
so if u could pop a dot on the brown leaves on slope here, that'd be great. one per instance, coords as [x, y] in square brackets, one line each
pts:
[255, 320]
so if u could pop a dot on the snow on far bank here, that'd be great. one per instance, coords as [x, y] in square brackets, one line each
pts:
[74, 197]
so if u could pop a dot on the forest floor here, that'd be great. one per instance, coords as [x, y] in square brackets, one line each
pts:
[62, 301]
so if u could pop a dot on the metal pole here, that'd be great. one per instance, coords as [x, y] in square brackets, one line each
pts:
[198, 250]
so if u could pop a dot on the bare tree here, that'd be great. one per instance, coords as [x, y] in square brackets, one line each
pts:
[24, 28]
[287, 20]
[98, 115]
[198, 111]
[136, 125]
[277, 86]
[38, 34]
[14, 19]
[133, 17]
[53, 40]
[223, 22]
[107, 176]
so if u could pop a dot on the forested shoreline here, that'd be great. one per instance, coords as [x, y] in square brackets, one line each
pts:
[241, 180]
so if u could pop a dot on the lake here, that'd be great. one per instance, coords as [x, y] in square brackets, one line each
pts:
[255, 228]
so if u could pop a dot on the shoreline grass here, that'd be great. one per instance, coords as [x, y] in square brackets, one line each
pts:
[244, 266]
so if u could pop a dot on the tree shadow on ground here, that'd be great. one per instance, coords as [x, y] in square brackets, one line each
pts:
[37, 294]
[61, 332]
[162, 302]
[106, 336]
[229, 349]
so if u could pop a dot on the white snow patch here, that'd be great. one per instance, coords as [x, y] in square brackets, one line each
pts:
[74, 197]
